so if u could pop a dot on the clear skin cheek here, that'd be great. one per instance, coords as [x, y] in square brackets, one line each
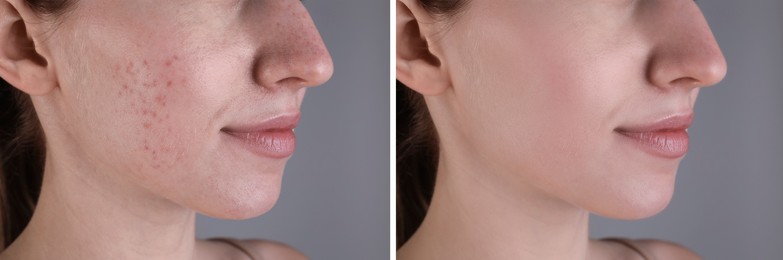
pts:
[545, 107]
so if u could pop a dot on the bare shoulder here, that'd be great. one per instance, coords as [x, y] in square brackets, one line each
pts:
[268, 249]
[667, 250]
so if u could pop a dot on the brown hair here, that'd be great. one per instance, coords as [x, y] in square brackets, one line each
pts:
[417, 145]
[22, 147]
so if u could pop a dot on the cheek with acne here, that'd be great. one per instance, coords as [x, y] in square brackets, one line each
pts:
[148, 91]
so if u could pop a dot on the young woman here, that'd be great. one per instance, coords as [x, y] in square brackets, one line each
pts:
[519, 118]
[121, 119]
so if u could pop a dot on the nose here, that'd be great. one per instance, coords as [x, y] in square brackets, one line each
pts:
[296, 55]
[685, 52]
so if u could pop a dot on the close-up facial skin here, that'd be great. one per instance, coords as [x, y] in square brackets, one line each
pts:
[196, 109]
[544, 112]
[579, 105]
[152, 111]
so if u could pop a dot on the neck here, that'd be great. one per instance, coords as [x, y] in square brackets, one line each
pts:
[475, 215]
[86, 215]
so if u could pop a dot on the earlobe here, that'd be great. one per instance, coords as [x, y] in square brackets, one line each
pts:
[417, 67]
[20, 63]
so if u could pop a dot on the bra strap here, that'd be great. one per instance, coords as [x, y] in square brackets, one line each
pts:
[628, 243]
[234, 243]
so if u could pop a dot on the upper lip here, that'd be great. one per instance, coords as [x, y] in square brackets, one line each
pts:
[285, 121]
[671, 122]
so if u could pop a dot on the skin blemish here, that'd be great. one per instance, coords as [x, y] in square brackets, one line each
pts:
[148, 90]
[160, 99]
[171, 60]
[130, 68]
[124, 90]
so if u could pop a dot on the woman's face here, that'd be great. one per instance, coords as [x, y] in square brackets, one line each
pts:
[193, 100]
[584, 100]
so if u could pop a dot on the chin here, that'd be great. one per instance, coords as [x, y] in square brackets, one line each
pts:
[242, 208]
[637, 204]
[637, 190]
[238, 198]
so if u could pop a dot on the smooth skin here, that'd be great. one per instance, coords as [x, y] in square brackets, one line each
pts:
[133, 97]
[527, 97]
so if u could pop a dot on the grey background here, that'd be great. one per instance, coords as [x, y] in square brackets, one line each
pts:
[728, 202]
[334, 202]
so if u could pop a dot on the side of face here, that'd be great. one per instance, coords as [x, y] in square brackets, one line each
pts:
[147, 90]
[538, 89]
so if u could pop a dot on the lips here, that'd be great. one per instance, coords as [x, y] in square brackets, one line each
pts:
[273, 138]
[667, 137]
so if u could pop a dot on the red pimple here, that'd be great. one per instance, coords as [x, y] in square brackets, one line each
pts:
[147, 126]
[160, 99]
[129, 68]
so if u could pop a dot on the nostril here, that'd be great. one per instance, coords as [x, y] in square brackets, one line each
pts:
[291, 82]
[686, 69]
[687, 81]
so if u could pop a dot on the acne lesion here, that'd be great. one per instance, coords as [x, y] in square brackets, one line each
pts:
[171, 60]
[147, 88]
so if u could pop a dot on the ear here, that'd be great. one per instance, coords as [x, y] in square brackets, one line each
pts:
[21, 63]
[417, 66]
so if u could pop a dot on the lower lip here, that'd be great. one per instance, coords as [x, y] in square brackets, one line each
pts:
[278, 144]
[671, 144]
